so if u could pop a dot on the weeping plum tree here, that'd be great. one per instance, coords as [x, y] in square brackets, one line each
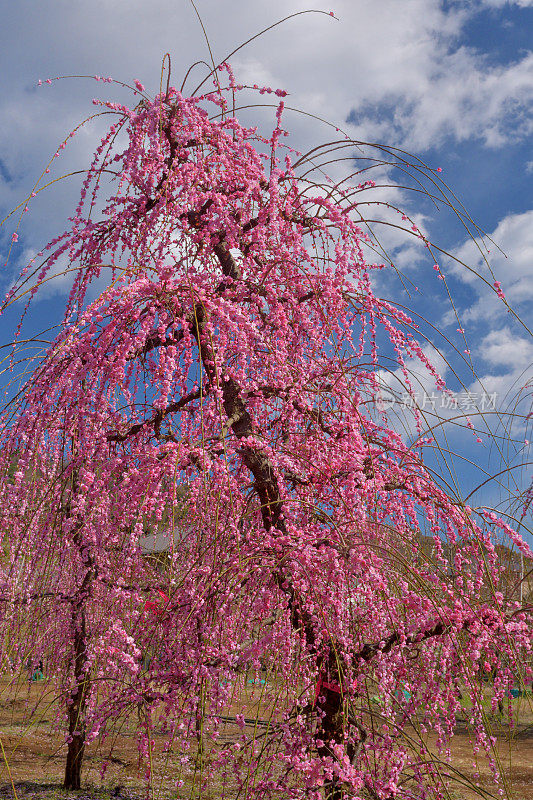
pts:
[235, 352]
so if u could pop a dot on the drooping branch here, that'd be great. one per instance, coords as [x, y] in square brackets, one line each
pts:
[369, 651]
[155, 340]
[156, 420]
[25, 600]
[174, 146]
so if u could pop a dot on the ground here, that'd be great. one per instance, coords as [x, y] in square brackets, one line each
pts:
[33, 754]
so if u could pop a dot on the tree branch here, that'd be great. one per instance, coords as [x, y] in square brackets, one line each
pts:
[368, 651]
[158, 417]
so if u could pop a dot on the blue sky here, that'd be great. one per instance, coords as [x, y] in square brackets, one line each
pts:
[451, 82]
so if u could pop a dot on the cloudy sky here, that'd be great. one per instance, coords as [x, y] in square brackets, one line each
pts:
[449, 81]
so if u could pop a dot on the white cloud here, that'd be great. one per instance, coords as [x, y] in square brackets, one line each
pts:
[509, 378]
[466, 99]
[511, 255]
[508, 250]
[503, 349]
[404, 55]
[511, 356]
[502, 3]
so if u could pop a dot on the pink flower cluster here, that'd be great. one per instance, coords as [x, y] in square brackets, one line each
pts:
[214, 398]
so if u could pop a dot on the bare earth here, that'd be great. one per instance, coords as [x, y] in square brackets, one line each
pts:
[32, 755]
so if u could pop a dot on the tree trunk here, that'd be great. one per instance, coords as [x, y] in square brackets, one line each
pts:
[331, 725]
[77, 702]
[267, 489]
[331, 730]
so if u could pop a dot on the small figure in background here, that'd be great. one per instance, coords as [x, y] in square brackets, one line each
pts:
[37, 673]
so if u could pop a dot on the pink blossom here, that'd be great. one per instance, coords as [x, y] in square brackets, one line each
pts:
[201, 403]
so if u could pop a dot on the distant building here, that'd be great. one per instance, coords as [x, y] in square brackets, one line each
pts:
[159, 545]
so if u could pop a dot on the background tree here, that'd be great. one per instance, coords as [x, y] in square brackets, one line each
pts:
[235, 350]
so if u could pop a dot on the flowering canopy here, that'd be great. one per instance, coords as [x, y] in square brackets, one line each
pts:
[221, 390]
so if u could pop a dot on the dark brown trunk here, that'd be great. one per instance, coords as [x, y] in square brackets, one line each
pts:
[331, 720]
[266, 486]
[331, 730]
[77, 703]
[77, 700]
[74, 761]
